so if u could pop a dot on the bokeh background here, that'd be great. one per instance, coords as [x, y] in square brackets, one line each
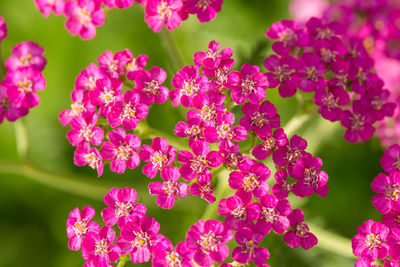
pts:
[33, 212]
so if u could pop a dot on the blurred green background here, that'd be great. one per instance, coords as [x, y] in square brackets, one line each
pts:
[33, 215]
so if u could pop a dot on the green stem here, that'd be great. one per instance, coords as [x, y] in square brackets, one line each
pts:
[123, 260]
[171, 48]
[332, 242]
[21, 139]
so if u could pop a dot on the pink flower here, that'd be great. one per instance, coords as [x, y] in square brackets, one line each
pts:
[98, 248]
[121, 150]
[249, 247]
[113, 65]
[26, 54]
[79, 224]
[159, 155]
[203, 188]
[135, 64]
[207, 239]
[86, 155]
[23, 83]
[83, 16]
[165, 255]
[169, 189]
[8, 109]
[212, 58]
[46, 7]
[79, 108]
[206, 10]
[106, 94]
[160, 12]
[122, 205]
[391, 159]
[85, 130]
[148, 85]
[3, 29]
[86, 81]
[299, 233]
[388, 189]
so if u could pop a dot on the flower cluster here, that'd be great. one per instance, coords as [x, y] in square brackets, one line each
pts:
[139, 236]
[211, 91]
[380, 240]
[22, 80]
[83, 16]
[320, 58]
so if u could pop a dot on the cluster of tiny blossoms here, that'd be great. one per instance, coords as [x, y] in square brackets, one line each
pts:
[22, 78]
[380, 240]
[215, 141]
[83, 16]
[321, 58]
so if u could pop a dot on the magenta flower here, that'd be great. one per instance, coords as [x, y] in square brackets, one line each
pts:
[206, 10]
[122, 205]
[26, 54]
[288, 36]
[165, 255]
[370, 241]
[231, 155]
[46, 7]
[106, 94]
[331, 51]
[311, 71]
[329, 102]
[220, 74]
[270, 143]
[310, 179]
[225, 133]
[118, 3]
[188, 84]
[79, 108]
[121, 150]
[391, 219]
[239, 210]
[298, 232]
[148, 85]
[212, 58]
[194, 127]
[87, 79]
[159, 155]
[260, 118]
[3, 29]
[98, 248]
[113, 64]
[209, 106]
[86, 155]
[128, 113]
[393, 240]
[391, 159]
[250, 179]
[320, 30]
[273, 215]
[138, 238]
[79, 224]
[85, 130]
[160, 12]
[169, 189]
[358, 123]
[8, 109]
[22, 85]
[291, 152]
[199, 162]
[207, 239]
[248, 83]
[365, 262]
[362, 75]
[203, 188]
[376, 100]
[249, 247]
[282, 188]
[281, 72]
[388, 189]
[134, 64]
[83, 16]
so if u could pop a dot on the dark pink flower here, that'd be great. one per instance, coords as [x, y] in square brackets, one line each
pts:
[311, 70]
[159, 155]
[249, 83]
[86, 155]
[79, 224]
[388, 189]
[391, 159]
[148, 85]
[160, 12]
[270, 143]
[26, 54]
[106, 94]
[203, 188]
[121, 150]
[83, 16]
[329, 102]
[134, 64]
[98, 248]
[86, 81]
[282, 188]
[206, 10]
[260, 118]
[79, 108]
[298, 232]
[164, 255]
[249, 248]
[207, 239]
[194, 127]
[122, 205]
[113, 64]
[3, 29]
[291, 152]
[169, 189]
[393, 240]
[209, 106]
[358, 123]
[212, 58]
[85, 130]
[8, 109]
[370, 241]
